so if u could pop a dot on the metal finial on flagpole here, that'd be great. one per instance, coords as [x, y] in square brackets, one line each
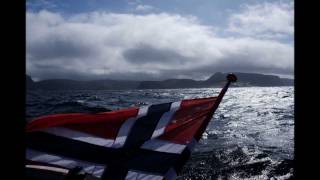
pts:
[231, 77]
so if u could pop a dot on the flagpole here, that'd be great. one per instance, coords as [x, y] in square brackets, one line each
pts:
[230, 79]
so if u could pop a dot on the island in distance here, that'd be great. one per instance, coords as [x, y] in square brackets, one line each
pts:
[216, 80]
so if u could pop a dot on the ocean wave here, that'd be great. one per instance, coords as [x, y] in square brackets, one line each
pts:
[236, 163]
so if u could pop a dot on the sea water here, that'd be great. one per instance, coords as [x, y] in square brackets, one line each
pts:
[251, 135]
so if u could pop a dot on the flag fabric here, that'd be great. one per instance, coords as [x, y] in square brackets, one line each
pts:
[152, 142]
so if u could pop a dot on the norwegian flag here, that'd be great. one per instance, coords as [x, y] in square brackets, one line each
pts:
[152, 142]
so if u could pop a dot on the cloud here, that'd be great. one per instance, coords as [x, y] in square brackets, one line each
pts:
[146, 54]
[267, 20]
[140, 47]
[144, 8]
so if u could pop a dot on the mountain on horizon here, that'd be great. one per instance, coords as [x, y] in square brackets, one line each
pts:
[216, 80]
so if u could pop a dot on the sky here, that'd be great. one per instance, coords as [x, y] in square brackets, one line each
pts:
[158, 39]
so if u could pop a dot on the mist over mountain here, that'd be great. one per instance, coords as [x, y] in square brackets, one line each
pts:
[216, 80]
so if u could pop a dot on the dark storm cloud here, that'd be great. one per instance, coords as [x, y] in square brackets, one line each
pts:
[58, 47]
[147, 54]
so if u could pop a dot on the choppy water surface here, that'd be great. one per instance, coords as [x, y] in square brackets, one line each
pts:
[251, 135]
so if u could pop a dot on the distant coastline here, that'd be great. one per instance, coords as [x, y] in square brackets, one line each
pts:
[216, 80]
